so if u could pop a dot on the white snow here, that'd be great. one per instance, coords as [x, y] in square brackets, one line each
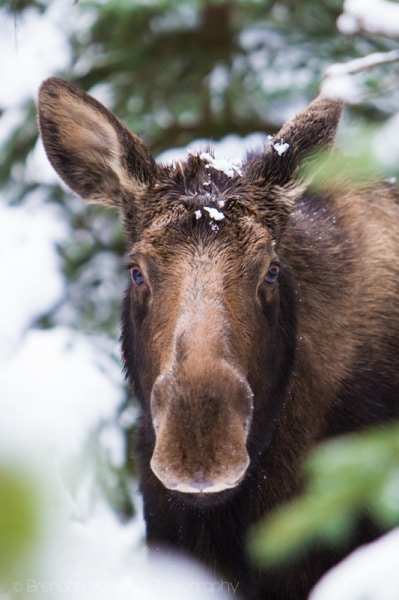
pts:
[198, 214]
[214, 213]
[231, 148]
[338, 83]
[371, 16]
[341, 87]
[360, 64]
[38, 168]
[219, 80]
[386, 143]
[34, 48]
[31, 282]
[371, 573]
[281, 147]
[58, 387]
[229, 166]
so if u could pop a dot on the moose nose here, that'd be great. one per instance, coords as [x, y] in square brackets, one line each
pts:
[200, 484]
[201, 424]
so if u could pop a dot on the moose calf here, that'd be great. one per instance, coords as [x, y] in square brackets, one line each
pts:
[262, 316]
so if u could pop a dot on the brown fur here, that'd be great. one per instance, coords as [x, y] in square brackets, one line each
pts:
[237, 377]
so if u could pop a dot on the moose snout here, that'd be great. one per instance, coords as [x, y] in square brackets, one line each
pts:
[199, 484]
[201, 425]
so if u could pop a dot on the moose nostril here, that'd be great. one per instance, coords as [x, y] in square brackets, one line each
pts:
[201, 484]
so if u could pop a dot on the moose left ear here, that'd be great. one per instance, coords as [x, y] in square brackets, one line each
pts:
[92, 151]
[298, 141]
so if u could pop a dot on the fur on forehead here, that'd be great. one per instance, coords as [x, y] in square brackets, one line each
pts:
[185, 192]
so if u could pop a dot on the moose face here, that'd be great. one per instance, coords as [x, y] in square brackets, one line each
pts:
[208, 319]
[203, 306]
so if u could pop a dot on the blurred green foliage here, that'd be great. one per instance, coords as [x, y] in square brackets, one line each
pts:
[333, 167]
[347, 477]
[15, 7]
[20, 522]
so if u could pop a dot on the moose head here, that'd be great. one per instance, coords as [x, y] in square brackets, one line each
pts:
[210, 314]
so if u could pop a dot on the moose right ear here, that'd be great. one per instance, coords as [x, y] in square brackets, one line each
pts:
[297, 143]
[91, 150]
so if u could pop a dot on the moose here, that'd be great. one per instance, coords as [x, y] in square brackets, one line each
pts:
[261, 317]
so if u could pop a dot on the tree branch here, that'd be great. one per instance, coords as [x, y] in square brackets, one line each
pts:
[338, 85]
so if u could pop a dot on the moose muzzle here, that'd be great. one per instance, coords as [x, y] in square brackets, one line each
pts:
[201, 421]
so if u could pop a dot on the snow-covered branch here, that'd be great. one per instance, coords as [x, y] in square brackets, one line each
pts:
[362, 64]
[370, 16]
[337, 82]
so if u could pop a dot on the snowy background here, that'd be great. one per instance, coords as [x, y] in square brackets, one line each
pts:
[59, 388]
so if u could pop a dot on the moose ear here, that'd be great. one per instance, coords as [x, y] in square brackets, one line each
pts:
[91, 150]
[298, 142]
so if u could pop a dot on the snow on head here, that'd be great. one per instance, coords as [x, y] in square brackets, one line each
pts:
[228, 166]
[229, 147]
[281, 147]
[214, 213]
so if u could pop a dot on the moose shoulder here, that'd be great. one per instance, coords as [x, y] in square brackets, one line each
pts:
[261, 318]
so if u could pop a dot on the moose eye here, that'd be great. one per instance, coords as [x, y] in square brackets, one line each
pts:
[137, 276]
[272, 274]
